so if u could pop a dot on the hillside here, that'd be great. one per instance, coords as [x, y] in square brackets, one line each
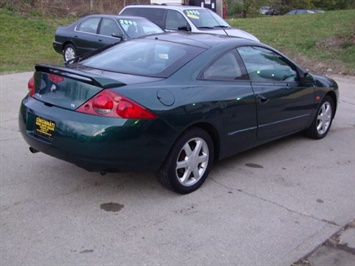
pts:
[323, 43]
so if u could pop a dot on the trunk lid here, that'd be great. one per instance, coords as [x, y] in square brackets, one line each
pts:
[69, 87]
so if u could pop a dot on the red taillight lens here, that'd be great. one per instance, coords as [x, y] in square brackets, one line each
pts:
[124, 108]
[102, 104]
[109, 103]
[55, 78]
[31, 83]
[31, 86]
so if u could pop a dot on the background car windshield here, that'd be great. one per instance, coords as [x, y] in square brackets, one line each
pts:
[144, 57]
[203, 18]
[136, 28]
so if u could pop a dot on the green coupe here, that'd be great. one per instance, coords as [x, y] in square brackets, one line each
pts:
[173, 104]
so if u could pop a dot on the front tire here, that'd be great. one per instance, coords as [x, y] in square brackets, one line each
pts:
[189, 162]
[323, 120]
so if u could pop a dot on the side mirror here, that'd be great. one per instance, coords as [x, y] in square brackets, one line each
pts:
[116, 35]
[307, 79]
[185, 28]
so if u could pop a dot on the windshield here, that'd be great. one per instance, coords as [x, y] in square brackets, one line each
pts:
[203, 18]
[144, 57]
[138, 27]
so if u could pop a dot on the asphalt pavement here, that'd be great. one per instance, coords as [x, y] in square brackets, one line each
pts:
[290, 202]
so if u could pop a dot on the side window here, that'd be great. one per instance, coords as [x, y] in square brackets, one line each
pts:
[225, 67]
[155, 15]
[265, 65]
[175, 21]
[109, 26]
[89, 25]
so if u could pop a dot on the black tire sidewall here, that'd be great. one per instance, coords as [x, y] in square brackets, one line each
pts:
[168, 171]
[66, 47]
[312, 131]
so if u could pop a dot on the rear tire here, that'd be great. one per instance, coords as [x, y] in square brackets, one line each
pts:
[69, 52]
[189, 162]
[323, 120]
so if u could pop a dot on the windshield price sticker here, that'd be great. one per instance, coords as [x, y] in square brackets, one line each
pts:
[45, 128]
[193, 14]
[127, 22]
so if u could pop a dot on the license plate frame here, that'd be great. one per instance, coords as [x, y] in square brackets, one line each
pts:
[44, 128]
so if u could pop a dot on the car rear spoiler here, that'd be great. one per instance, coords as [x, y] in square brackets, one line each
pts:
[93, 79]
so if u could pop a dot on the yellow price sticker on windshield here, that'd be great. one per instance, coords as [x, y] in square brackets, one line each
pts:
[193, 16]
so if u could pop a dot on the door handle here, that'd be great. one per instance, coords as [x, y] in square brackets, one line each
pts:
[262, 99]
[288, 86]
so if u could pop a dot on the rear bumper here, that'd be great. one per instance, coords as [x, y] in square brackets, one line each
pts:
[58, 47]
[96, 143]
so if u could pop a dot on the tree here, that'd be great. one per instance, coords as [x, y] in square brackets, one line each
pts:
[250, 8]
[247, 8]
[287, 5]
[334, 4]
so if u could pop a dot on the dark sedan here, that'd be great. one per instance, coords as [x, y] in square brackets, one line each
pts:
[95, 31]
[173, 104]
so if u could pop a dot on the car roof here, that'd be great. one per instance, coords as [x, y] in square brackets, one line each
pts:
[301, 10]
[167, 6]
[116, 16]
[203, 40]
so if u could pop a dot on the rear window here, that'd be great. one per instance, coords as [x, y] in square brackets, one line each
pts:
[155, 15]
[144, 57]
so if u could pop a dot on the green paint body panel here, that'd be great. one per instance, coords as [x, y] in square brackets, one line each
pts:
[96, 143]
[234, 112]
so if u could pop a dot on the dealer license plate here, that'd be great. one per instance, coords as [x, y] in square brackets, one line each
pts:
[44, 128]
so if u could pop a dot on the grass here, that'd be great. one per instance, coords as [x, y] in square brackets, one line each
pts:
[318, 41]
[26, 41]
[323, 39]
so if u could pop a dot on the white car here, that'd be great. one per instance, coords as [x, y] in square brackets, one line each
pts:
[188, 18]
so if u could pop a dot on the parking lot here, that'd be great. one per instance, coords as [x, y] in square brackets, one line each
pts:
[268, 206]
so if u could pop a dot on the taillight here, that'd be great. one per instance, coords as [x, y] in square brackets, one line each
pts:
[111, 104]
[31, 86]
[31, 83]
[55, 78]
[102, 104]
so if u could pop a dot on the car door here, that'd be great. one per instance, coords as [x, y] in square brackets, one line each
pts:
[85, 36]
[107, 28]
[283, 103]
[175, 21]
[226, 81]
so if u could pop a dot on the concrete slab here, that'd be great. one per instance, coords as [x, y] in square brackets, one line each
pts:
[348, 237]
[329, 256]
[54, 213]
